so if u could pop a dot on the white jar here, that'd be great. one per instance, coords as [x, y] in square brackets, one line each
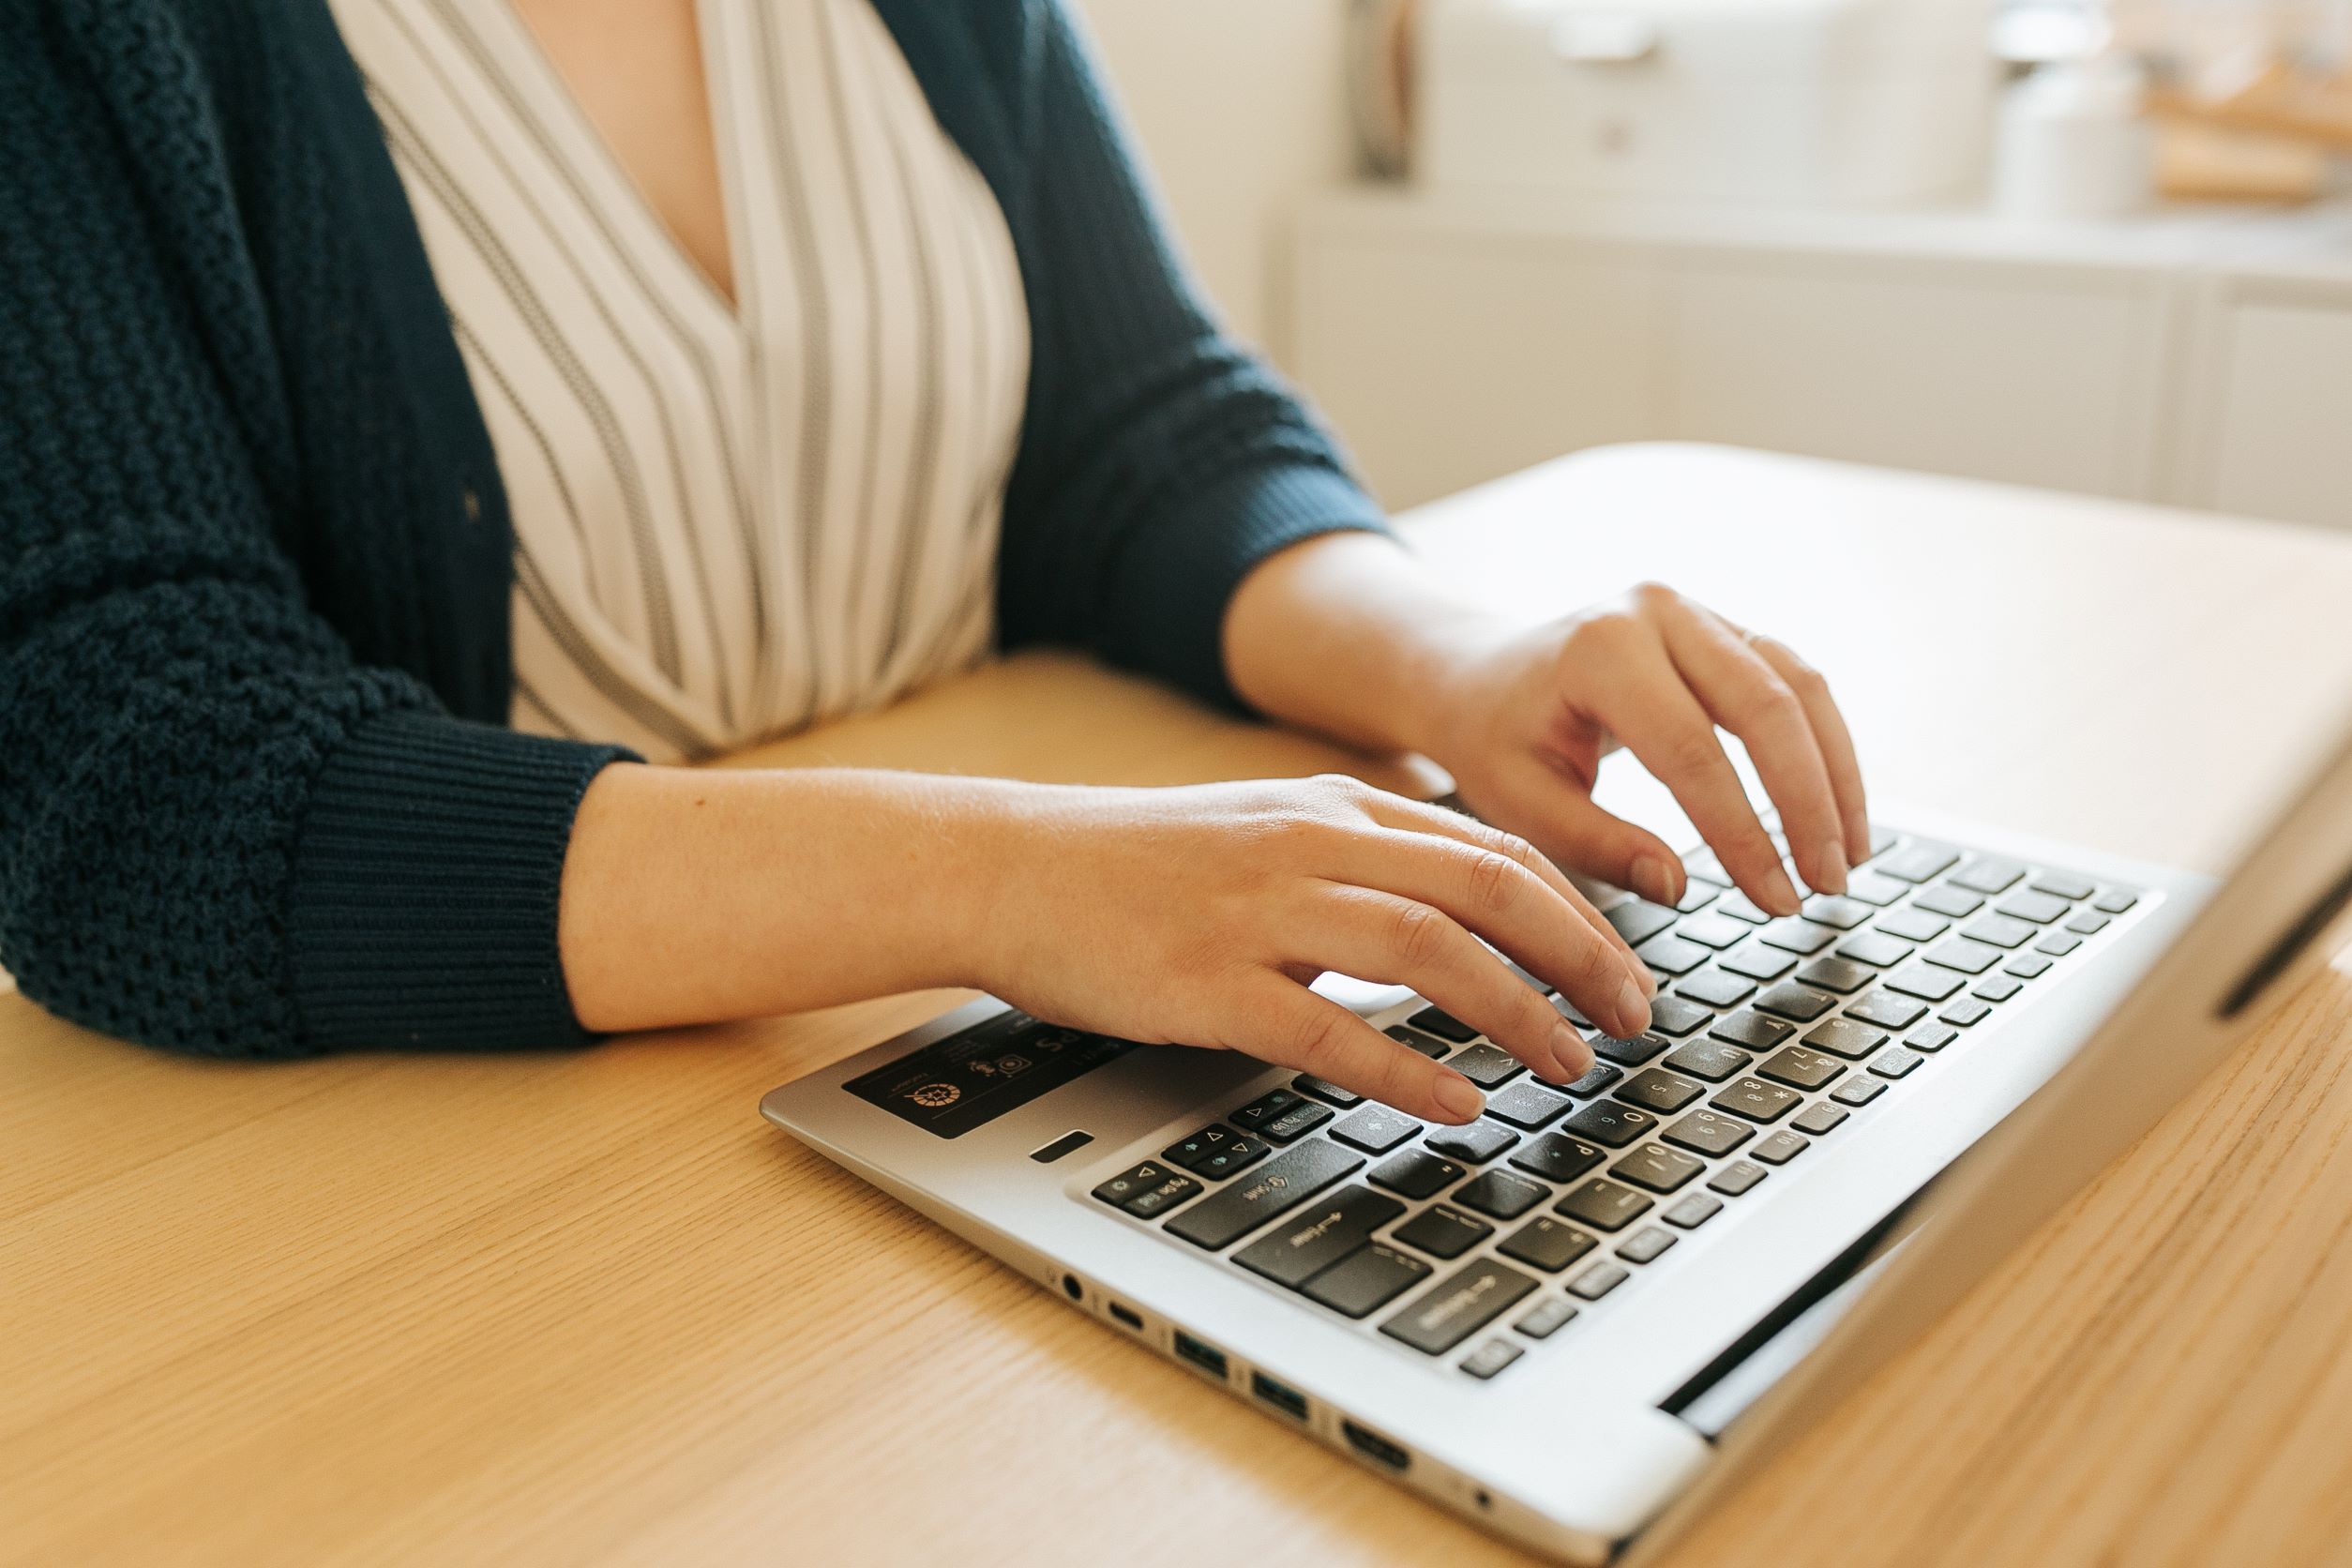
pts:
[2071, 142]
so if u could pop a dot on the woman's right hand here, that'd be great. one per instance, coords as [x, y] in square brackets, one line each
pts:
[1200, 915]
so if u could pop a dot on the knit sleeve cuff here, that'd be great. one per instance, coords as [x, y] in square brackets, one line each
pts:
[423, 914]
[1180, 576]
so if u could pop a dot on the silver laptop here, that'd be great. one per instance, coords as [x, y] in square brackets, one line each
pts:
[1576, 1320]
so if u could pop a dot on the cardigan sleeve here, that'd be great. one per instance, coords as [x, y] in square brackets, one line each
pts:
[218, 833]
[1160, 461]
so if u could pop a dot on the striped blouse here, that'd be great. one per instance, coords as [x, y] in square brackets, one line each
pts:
[729, 522]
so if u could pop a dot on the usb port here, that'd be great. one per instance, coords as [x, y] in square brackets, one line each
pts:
[1201, 1354]
[1128, 1316]
[1290, 1401]
[1374, 1447]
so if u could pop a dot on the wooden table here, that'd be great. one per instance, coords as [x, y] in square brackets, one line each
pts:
[587, 1308]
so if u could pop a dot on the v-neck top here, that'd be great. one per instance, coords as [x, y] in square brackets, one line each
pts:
[728, 521]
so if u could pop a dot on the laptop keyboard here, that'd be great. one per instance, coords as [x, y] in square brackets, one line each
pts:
[1767, 1035]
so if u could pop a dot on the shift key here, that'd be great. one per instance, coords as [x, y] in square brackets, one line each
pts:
[1276, 1187]
[1457, 1306]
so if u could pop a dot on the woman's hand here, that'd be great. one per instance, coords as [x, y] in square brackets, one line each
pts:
[1200, 915]
[1525, 721]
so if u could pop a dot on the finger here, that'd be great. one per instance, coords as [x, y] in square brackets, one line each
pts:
[1744, 694]
[1381, 936]
[1424, 817]
[1662, 724]
[1836, 741]
[1566, 824]
[1285, 1023]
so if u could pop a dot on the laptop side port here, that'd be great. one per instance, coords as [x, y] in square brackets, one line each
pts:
[1201, 1354]
[1128, 1316]
[1283, 1398]
[1379, 1450]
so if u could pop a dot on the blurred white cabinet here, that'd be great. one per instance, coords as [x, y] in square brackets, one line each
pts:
[1452, 342]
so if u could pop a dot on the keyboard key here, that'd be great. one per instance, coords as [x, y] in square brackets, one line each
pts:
[1487, 1066]
[1539, 986]
[1845, 1038]
[1988, 874]
[1416, 1173]
[1858, 1091]
[2087, 924]
[1325, 1091]
[1209, 1140]
[1887, 1012]
[1842, 975]
[1254, 1116]
[1547, 1243]
[1598, 1281]
[1558, 1157]
[1946, 899]
[1693, 1211]
[1441, 1231]
[1444, 1025]
[1367, 1280]
[2039, 908]
[1527, 1104]
[1645, 1244]
[1798, 936]
[1873, 888]
[1427, 1045]
[1968, 1012]
[1490, 1358]
[1295, 1123]
[1829, 908]
[1597, 1080]
[1238, 1155]
[1702, 862]
[1549, 1317]
[1872, 948]
[1710, 1060]
[1276, 1189]
[2000, 930]
[2026, 966]
[1658, 1168]
[1130, 1186]
[1896, 1062]
[1791, 1001]
[1602, 1205]
[1673, 1017]
[1881, 840]
[1714, 987]
[2061, 884]
[1318, 1236]
[1931, 1038]
[1713, 929]
[2058, 944]
[1608, 1123]
[1709, 1133]
[1919, 861]
[1819, 1119]
[1779, 1149]
[1737, 1177]
[1740, 907]
[1476, 1144]
[1968, 958]
[1800, 1068]
[1752, 1030]
[1638, 920]
[1757, 961]
[1696, 895]
[1632, 1054]
[1658, 1089]
[1374, 1129]
[1457, 1306]
[1153, 1200]
[1755, 1100]
[1501, 1195]
[2116, 901]
[1911, 926]
[1997, 987]
[1671, 954]
[1928, 984]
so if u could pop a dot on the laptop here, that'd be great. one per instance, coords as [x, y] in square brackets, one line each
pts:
[1579, 1320]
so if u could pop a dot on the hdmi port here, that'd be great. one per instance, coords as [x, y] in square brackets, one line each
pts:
[1374, 1447]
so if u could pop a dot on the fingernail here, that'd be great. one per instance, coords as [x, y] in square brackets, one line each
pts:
[1574, 1054]
[1458, 1097]
[1833, 868]
[1653, 880]
[1633, 1011]
[1781, 893]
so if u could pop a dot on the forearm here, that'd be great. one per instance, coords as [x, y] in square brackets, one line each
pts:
[694, 896]
[1347, 635]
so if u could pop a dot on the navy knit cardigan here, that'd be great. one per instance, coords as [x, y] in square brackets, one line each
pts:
[256, 793]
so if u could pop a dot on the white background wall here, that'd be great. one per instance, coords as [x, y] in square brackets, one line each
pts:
[1240, 107]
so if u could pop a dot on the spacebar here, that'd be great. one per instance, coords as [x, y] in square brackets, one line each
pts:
[1276, 1187]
